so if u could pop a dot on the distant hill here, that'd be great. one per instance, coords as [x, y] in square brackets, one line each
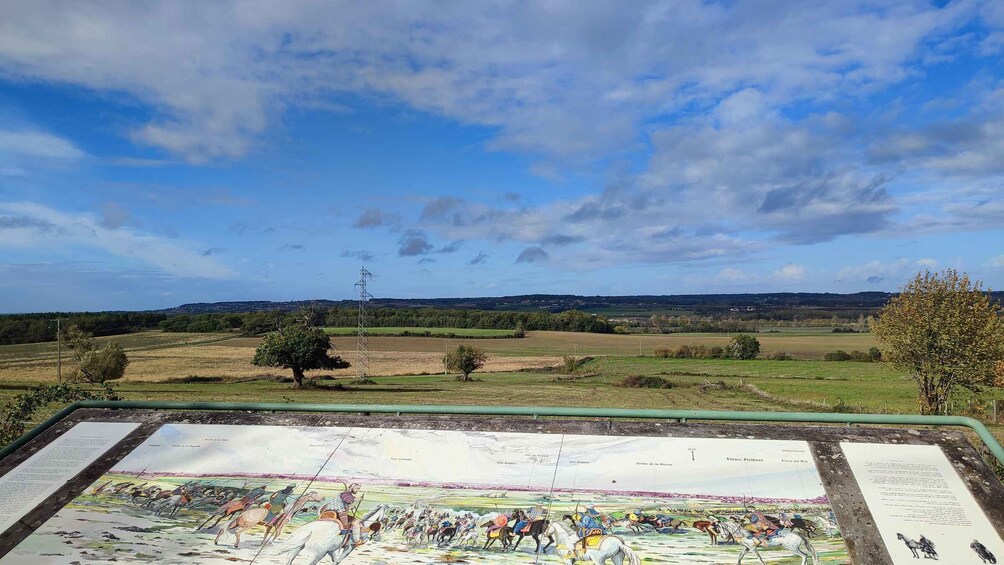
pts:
[561, 302]
[252, 306]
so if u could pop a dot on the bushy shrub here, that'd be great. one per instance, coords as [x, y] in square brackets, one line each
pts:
[645, 381]
[21, 410]
[860, 356]
[571, 364]
[873, 354]
[744, 346]
[779, 356]
[838, 355]
[699, 351]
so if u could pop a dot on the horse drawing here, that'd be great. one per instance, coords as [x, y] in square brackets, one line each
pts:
[227, 510]
[982, 552]
[609, 548]
[161, 495]
[445, 535]
[634, 525]
[327, 537]
[829, 527]
[174, 503]
[913, 545]
[707, 527]
[468, 539]
[503, 535]
[796, 524]
[245, 521]
[534, 530]
[287, 514]
[789, 539]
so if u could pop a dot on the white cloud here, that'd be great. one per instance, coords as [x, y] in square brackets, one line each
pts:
[218, 76]
[37, 144]
[33, 226]
[790, 272]
[741, 176]
[997, 262]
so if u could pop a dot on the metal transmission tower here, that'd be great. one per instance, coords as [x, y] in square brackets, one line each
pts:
[362, 346]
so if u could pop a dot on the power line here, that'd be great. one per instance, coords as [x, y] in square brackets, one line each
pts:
[362, 345]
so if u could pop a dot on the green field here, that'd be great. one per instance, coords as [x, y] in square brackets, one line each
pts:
[426, 332]
[216, 367]
[139, 341]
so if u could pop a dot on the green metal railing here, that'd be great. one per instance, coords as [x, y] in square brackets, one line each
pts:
[679, 415]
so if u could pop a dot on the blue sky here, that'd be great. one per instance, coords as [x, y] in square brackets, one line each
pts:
[152, 155]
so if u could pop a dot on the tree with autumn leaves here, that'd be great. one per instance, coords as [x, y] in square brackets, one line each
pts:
[946, 332]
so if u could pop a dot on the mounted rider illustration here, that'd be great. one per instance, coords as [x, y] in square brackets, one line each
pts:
[342, 508]
[276, 504]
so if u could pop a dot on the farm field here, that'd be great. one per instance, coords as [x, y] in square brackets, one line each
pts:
[158, 356]
[435, 332]
[526, 371]
[808, 345]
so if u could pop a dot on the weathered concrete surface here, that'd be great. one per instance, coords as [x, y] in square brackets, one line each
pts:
[864, 543]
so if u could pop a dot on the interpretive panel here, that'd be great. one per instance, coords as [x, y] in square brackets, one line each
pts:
[921, 507]
[208, 493]
[48, 470]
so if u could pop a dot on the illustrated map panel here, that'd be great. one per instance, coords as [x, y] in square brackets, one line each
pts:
[223, 494]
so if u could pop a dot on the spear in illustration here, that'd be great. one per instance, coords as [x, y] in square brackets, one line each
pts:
[358, 504]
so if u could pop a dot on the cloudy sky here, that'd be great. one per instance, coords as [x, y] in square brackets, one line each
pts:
[153, 155]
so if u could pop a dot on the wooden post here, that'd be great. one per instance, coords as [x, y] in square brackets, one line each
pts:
[59, 353]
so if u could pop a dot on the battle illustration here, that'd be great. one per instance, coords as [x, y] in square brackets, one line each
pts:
[222, 494]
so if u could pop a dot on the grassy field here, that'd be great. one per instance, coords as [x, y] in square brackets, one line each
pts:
[157, 356]
[434, 332]
[141, 341]
[523, 371]
[809, 345]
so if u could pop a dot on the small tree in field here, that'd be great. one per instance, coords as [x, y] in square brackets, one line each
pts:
[945, 331]
[297, 347]
[744, 347]
[465, 360]
[95, 364]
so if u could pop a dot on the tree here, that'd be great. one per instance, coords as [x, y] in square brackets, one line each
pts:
[94, 364]
[520, 330]
[946, 331]
[744, 346]
[465, 359]
[298, 347]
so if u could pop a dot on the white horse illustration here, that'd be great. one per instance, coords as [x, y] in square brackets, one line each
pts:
[829, 527]
[324, 537]
[467, 539]
[791, 540]
[610, 547]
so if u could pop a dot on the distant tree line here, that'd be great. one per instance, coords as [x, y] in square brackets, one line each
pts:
[35, 328]
[255, 323]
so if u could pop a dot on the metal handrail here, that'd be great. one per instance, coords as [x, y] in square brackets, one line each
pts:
[578, 412]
